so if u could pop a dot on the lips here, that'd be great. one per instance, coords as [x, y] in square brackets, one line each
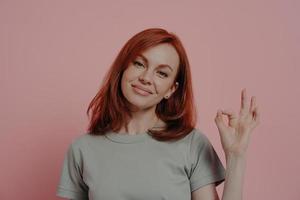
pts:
[142, 88]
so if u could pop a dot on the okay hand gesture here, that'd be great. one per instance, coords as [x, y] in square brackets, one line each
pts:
[236, 134]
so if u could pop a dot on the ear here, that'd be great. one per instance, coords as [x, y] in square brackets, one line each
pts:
[172, 90]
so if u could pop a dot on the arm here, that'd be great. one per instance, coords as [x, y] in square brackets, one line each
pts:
[207, 192]
[235, 138]
[234, 178]
[233, 185]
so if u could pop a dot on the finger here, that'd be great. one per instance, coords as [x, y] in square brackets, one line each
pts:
[219, 120]
[230, 113]
[256, 115]
[232, 117]
[244, 102]
[253, 104]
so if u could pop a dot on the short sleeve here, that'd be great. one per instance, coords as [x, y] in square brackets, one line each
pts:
[71, 183]
[205, 165]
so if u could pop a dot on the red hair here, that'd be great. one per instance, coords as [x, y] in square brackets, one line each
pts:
[110, 109]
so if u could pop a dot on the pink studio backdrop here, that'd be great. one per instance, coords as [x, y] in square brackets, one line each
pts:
[53, 55]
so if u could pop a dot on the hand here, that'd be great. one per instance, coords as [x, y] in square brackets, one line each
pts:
[235, 136]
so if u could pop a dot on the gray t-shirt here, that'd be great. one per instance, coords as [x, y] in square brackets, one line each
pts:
[130, 167]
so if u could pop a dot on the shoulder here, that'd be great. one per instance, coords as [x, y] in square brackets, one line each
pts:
[198, 136]
[84, 140]
[198, 141]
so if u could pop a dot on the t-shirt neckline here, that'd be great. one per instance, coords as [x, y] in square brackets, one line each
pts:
[127, 138]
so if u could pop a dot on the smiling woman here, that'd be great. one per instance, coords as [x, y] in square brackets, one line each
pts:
[155, 61]
[146, 75]
[142, 142]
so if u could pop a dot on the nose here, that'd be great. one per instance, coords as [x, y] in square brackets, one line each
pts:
[146, 77]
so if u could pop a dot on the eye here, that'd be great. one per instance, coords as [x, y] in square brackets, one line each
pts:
[137, 63]
[162, 73]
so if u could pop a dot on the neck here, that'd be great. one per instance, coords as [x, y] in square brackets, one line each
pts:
[140, 122]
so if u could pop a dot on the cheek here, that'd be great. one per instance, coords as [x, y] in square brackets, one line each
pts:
[162, 87]
[124, 80]
[128, 76]
[130, 73]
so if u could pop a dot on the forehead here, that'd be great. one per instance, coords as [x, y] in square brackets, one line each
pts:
[162, 54]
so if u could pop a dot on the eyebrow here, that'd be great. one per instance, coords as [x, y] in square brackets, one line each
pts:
[146, 61]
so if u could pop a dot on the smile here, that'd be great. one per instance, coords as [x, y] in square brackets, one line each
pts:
[140, 91]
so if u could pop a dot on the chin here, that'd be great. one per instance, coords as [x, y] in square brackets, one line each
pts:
[140, 104]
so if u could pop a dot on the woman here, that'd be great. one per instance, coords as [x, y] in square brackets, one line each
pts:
[142, 142]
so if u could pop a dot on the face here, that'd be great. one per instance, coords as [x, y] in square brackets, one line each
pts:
[150, 76]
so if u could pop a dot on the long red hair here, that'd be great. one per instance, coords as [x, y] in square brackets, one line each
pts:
[110, 109]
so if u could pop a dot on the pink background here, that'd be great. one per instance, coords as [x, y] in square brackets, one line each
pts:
[53, 55]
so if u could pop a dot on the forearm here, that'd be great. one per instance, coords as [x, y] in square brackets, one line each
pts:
[234, 178]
